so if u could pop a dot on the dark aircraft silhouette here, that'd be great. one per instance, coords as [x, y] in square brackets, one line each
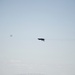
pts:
[11, 35]
[42, 39]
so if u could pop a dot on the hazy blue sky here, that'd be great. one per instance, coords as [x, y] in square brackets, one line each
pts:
[27, 20]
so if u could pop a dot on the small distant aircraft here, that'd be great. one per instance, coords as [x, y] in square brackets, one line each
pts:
[42, 39]
[11, 35]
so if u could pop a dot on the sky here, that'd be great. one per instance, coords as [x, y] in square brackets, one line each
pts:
[26, 20]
